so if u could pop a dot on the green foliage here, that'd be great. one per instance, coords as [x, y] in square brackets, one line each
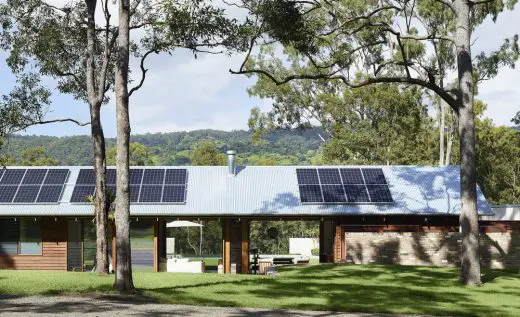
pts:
[498, 167]
[187, 239]
[260, 239]
[176, 148]
[207, 153]
[25, 105]
[36, 156]
[139, 155]
[380, 124]
[315, 251]
[516, 118]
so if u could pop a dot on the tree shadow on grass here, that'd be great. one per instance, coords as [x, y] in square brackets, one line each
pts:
[371, 289]
[347, 288]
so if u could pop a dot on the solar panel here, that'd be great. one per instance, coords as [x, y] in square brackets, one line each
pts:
[81, 192]
[310, 194]
[56, 177]
[150, 193]
[379, 193]
[50, 194]
[333, 194]
[136, 175]
[174, 194]
[12, 177]
[27, 194]
[329, 176]
[7, 193]
[343, 185]
[374, 176]
[34, 176]
[357, 194]
[146, 185]
[86, 177]
[111, 176]
[134, 193]
[307, 176]
[153, 176]
[351, 176]
[176, 176]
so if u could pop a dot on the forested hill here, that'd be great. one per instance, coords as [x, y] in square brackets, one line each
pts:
[295, 147]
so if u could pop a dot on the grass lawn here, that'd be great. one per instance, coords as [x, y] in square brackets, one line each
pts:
[386, 289]
[211, 263]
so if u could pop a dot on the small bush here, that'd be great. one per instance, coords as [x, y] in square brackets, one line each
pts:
[315, 251]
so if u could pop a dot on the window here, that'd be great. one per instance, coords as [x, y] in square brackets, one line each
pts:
[30, 237]
[8, 237]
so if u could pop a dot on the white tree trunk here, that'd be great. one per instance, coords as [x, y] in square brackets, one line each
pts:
[442, 126]
[98, 143]
[470, 261]
[123, 281]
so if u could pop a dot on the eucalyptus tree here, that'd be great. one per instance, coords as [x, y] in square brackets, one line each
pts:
[63, 42]
[361, 43]
[378, 124]
[195, 25]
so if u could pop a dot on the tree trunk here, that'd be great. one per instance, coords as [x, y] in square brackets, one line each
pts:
[98, 143]
[442, 125]
[100, 195]
[451, 136]
[123, 281]
[470, 261]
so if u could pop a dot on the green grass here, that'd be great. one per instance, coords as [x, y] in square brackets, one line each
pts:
[383, 289]
[210, 263]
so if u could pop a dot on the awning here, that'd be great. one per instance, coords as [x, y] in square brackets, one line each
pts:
[182, 223]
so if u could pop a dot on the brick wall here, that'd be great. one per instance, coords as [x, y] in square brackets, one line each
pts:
[498, 249]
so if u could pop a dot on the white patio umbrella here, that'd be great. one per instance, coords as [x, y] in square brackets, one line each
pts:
[182, 223]
[188, 224]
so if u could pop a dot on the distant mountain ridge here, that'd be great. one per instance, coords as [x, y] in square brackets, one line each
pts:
[77, 150]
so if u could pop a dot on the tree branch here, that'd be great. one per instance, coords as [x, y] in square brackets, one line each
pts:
[79, 123]
[143, 72]
[445, 95]
[447, 4]
[480, 1]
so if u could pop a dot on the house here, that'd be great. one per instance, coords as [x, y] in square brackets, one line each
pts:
[367, 214]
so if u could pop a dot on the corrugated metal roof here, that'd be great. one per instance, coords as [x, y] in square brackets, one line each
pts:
[273, 191]
[504, 213]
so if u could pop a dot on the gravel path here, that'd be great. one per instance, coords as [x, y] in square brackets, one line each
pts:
[117, 306]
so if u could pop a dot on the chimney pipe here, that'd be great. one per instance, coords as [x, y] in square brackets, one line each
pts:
[231, 162]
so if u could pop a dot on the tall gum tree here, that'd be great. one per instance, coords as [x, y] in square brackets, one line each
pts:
[362, 43]
[194, 25]
[63, 42]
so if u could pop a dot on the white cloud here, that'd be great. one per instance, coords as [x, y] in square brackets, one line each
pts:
[184, 93]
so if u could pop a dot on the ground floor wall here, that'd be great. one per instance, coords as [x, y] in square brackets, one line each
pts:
[356, 240]
[423, 245]
[53, 242]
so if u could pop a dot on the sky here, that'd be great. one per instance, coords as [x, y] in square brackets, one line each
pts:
[183, 93]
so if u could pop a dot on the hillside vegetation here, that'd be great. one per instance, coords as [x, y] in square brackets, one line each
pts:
[294, 147]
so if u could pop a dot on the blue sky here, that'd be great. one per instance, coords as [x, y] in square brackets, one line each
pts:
[183, 93]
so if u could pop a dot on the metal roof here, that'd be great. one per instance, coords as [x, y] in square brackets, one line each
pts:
[504, 213]
[273, 191]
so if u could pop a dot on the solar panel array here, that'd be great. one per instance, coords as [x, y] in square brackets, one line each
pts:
[343, 185]
[146, 185]
[27, 186]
